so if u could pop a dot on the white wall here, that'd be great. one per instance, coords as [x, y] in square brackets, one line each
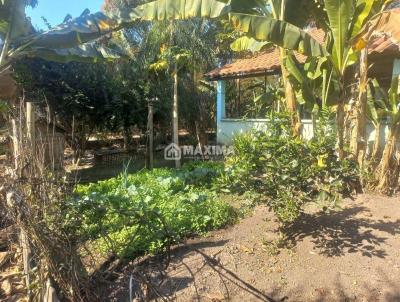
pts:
[228, 128]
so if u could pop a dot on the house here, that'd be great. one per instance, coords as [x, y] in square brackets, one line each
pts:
[384, 60]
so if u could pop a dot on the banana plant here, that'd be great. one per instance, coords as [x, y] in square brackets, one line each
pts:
[377, 100]
[73, 39]
[385, 107]
[244, 44]
[62, 43]
[389, 163]
[342, 19]
[280, 10]
[67, 41]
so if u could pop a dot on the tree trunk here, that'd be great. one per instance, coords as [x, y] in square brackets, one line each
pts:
[127, 138]
[175, 118]
[377, 143]
[7, 40]
[150, 131]
[340, 119]
[359, 140]
[385, 175]
[314, 120]
[290, 94]
[290, 97]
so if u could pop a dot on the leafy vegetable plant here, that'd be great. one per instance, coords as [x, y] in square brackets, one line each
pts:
[145, 212]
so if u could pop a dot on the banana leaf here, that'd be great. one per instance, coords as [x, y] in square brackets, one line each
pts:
[248, 44]
[84, 53]
[280, 33]
[302, 83]
[73, 33]
[176, 10]
[340, 15]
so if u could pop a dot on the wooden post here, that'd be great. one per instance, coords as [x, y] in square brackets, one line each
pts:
[30, 133]
[30, 126]
[15, 139]
[175, 117]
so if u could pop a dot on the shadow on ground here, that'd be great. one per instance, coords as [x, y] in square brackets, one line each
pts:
[165, 288]
[335, 234]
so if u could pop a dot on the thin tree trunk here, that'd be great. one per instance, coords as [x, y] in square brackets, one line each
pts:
[289, 90]
[314, 118]
[7, 40]
[151, 134]
[359, 140]
[290, 96]
[340, 119]
[127, 138]
[175, 118]
[377, 143]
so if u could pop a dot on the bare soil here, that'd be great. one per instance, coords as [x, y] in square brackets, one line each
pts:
[352, 254]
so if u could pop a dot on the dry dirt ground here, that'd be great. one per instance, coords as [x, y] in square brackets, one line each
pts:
[352, 254]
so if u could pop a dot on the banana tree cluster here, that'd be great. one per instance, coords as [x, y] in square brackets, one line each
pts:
[385, 107]
[279, 23]
[341, 19]
[274, 22]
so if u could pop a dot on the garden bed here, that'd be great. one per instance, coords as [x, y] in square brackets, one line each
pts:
[351, 254]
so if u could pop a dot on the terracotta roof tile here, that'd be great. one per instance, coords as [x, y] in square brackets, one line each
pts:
[264, 62]
[385, 40]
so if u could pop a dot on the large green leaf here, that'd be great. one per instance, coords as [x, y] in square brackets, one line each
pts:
[377, 102]
[298, 12]
[363, 10]
[248, 44]
[340, 14]
[75, 32]
[3, 26]
[280, 33]
[176, 10]
[301, 81]
[90, 27]
[84, 53]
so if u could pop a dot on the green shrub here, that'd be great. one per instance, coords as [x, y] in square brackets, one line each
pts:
[143, 212]
[289, 171]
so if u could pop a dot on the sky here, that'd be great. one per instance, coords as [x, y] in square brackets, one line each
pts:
[56, 10]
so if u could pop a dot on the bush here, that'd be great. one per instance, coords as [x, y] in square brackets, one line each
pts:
[144, 212]
[290, 172]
